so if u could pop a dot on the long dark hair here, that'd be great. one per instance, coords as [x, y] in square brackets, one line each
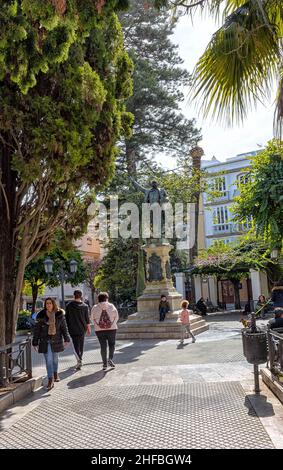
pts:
[55, 306]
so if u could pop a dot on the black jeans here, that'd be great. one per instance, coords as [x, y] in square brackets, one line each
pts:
[104, 337]
[78, 342]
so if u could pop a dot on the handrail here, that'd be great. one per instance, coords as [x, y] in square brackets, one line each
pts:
[15, 362]
[9, 346]
[275, 351]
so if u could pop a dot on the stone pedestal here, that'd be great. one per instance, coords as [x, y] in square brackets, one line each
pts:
[145, 324]
[159, 280]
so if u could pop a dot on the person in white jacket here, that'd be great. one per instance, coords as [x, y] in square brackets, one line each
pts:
[105, 317]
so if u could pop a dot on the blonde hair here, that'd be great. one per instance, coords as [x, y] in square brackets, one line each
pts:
[184, 304]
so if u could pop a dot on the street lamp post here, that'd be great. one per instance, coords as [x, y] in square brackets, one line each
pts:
[48, 266]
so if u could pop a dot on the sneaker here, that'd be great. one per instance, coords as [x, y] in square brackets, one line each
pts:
[79, 365]
[104, 367]
[111, 363]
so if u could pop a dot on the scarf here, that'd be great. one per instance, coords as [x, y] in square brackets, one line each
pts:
[51, 322]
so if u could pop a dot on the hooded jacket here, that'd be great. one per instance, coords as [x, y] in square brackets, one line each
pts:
[112, 313]
[277, 296]
[77, 318]
[41, 336]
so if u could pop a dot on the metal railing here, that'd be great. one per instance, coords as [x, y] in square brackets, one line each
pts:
[15, 362]
[230, 227]
[275, 352]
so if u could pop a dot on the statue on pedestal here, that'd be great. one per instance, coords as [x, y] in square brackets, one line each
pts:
[152, 196]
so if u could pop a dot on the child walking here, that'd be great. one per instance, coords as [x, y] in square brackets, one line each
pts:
[184, 316]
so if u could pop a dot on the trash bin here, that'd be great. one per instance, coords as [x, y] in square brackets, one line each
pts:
[255, 346]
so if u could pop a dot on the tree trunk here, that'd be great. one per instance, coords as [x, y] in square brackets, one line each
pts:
[237, 295]
[8, 262]
[130, 160]
[34, 290]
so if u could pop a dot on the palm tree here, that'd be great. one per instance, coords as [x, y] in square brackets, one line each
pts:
[242, 60]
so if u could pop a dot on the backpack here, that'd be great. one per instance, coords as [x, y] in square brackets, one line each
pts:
[104, 321]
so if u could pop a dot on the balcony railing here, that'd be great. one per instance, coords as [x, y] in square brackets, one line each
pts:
[228, 227]
[15, 362]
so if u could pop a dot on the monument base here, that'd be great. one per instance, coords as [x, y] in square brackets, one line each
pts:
[143, 326]
[155, 288]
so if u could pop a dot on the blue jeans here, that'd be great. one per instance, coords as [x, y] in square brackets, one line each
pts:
[51, 359]
[162, 313]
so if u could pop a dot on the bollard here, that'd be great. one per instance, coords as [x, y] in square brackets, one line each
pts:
[254, 348]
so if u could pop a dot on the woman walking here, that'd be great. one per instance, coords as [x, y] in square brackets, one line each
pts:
[105, 316]
[49, 332]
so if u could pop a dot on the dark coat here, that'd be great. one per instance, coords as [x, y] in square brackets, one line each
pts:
[277, 296]
[40, 334]
[276, 323]
[77, 318]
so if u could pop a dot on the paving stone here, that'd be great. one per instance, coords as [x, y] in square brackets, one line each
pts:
[196, 415]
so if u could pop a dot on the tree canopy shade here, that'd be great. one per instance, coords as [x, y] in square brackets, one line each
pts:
[242, 59]
[64, 78]
[262, 196]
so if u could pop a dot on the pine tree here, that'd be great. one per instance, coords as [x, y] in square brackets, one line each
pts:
[159, 82]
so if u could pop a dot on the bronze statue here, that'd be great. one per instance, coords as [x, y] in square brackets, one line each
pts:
[153, 194]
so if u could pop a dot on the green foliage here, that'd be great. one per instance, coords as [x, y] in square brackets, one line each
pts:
[261, 198]
[159, 77]
[233, 261]
[118, 272]
[64, 79]
[35, 273]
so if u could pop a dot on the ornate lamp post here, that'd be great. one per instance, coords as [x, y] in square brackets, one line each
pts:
[48, 266]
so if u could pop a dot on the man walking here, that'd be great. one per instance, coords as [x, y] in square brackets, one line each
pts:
[78, 321]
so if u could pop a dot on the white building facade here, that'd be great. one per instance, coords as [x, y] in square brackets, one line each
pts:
[217, 226]
[224, 178]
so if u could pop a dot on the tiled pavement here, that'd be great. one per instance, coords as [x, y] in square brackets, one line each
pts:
[160, 395]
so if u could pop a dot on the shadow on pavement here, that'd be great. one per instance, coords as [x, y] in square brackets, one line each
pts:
[90, 379]
[133, 350]
[258, 404]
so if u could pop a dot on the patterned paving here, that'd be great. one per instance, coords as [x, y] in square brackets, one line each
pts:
[82, 413]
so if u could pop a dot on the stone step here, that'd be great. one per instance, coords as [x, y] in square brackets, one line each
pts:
[155, 316]
[156, 334]
[154, 326]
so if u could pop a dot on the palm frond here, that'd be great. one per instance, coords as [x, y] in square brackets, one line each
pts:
[239, 64]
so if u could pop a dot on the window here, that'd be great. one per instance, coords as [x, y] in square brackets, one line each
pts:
[220, 219]
[218, 184]
[243, 179]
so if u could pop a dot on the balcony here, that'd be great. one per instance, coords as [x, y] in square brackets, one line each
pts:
[222, 196]
[229, 227]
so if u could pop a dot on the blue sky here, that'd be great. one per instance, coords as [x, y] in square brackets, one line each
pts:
[219, 141]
